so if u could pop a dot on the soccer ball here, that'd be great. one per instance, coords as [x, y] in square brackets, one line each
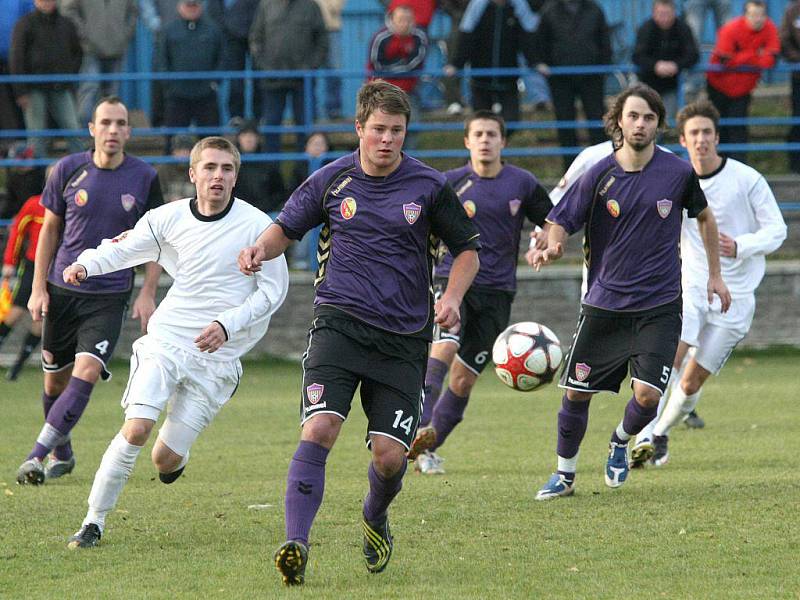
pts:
[527, 356]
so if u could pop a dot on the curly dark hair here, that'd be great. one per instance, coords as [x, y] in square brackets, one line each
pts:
[614, 114]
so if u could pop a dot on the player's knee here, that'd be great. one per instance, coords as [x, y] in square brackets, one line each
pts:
[578, 396]
[88, 369]
[387, 463]
[322, 429]
[137, 431]
[691, 385]
[648, 397]
[164, 459]
[461, 384]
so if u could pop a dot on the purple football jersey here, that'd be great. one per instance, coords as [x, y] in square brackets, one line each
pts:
[632, 228]
[498, 207]
[377, 244]
[97, 204]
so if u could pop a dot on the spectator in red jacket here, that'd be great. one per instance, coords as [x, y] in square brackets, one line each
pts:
[399, 48]
[18, 264]
[423, 10]
[747, 41]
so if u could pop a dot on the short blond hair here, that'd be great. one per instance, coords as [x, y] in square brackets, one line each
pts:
[217, 143]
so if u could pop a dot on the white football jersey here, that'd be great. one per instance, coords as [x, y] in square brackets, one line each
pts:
[588, 158]
[200, 253]
[746, 210]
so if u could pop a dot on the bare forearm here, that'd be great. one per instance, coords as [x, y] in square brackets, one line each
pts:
[45, 250]
[152, 273]
[556, 234]
[273, 242]
[465, 267]
[707, 224]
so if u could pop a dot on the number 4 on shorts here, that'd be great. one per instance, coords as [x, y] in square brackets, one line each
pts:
[102, 347]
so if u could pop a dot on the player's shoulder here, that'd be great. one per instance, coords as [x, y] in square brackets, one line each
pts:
[248, 212]
[415, 168]
[732, 168]
[135, 163]
[664, 159]
[71, 162]
[603, 165]
[459, 173]
[518, 173]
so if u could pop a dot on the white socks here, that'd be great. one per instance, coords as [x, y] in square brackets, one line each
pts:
[678, 406]
[50, 437]
[568, 465]
[115, 468]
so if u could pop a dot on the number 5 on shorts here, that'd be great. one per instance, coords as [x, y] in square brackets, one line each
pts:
[665, 371]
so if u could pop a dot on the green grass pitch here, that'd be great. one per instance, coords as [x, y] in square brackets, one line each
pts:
[719, 521]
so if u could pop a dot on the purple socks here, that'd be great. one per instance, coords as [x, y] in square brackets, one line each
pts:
[636, 418]
[434, 378]
[448, 413]
[63, 452]
[62, 415]
[381, 493]
[572, 421]
[305, 485]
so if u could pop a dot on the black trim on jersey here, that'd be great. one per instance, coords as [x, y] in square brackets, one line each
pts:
[457, 183]
[587, 242]
[200, 217]
[450, 223]
[693, 198]
[537, 205]
[325, 233]
[68, 178]
[153, 233]
[715, 171]
[225, 331]
[155, 198]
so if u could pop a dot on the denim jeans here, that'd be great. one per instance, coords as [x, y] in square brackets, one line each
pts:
[275, 100]
[59, 104]
[89, 92]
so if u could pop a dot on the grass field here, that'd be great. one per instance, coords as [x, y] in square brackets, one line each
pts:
[720, 521]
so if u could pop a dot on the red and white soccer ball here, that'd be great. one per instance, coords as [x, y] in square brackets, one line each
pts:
[527, 356]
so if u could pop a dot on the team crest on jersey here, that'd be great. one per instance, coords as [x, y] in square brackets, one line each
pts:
[513, 206]
[314, 392]
[613, 208]
[411, 211]
[81, 197]
[582, 371]
[664, 208]
[348, 208]
[128, 202]
[470, 208]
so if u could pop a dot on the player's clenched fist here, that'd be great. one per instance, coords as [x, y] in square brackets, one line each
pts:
[250, 259]
[74, 274]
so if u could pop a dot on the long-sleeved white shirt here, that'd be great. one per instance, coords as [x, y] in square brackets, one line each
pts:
[746, 210]
[200, 254]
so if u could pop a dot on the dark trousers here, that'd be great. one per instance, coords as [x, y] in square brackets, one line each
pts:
[565, 91]
[483, 98]
[234, 59]
[274, 103]
[794, 132]
[10, 114]
[182, 112]
[733, 108]
[452, 85]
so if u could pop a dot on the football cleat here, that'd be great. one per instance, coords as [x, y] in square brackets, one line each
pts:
[290, 560]
[661, 455]
[87, 537]
[429, 463]
[694, 421]
[13, 373]
[57, 468]
[558, 485]
[378, 545]
[617, 465]
[170, 477]
[425, 440]
[642, 452]
[31, 472]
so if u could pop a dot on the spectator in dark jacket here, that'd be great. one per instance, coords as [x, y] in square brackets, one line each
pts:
[191, 43]
[665, 46]
[44, 43]
[493, 34]
[287, 35]
[259, 183]
[790, 47]
[10, 114]
[574, 32]
[234, 18]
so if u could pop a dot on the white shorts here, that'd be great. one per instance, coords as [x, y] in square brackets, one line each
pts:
[194, 387]
[714, 334]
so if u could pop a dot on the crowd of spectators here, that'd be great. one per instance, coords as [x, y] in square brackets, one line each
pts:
[93, 36]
